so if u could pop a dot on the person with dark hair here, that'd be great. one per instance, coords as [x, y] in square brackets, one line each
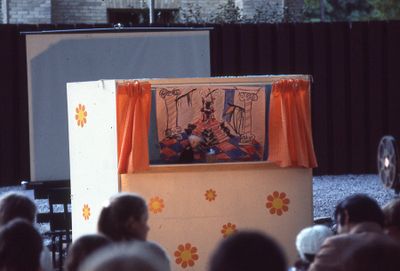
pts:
[357, 209]
[124, 218]
[391, 213]
[360, 224]
[248, 250]
[376, 256]
[83, 247]
[17, 205]
[20, 246]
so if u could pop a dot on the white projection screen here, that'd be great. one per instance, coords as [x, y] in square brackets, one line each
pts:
[55, 58]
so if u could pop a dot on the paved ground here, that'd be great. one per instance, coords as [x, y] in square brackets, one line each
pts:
[327, 192]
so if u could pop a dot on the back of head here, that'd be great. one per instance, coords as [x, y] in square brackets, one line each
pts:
[374, 256]
[82, 248]
[360, 208]
[137, 255]
[391, 212]
[20, 246]
[310, 239]
[16, 205]
[114, 218]
[248, 250]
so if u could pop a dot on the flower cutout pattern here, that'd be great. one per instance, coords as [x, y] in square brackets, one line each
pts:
[186, 255]
[156, 205]
[277, 203]
[80, 115]
[228, 229]
[86, 211]
[210, 194]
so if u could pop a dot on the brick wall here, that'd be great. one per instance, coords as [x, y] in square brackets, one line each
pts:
[29, 11]
[79, 11]
[1, 12]
[95, 11]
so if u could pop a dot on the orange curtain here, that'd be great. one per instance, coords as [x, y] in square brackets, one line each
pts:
[133, 122]
[290, 135]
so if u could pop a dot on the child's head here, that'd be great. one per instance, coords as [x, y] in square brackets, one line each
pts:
[248, 250]
[125, 218]
[310, 239]
[20, 246]
[82, 248]
[128, 256]
[16, 205]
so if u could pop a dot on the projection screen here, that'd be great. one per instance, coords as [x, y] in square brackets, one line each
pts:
[55, 58]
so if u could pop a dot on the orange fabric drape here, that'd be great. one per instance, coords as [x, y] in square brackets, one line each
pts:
[290, 135]
[133, 121]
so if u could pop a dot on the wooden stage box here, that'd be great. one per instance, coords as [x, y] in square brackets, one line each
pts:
[195, 205]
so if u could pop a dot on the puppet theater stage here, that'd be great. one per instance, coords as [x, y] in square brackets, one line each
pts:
[211, 156]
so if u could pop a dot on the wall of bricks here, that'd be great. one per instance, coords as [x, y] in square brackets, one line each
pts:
[29, 12]
[2, 19]
[79, 11]
[95, 11]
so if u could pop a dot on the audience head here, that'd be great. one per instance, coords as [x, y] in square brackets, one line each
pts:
[248, 250]
[124, 218]
[310, 239]
[16, 205]
[357, 209]
[82, 248]
[374, 256]
[20, 246]
[391, 213]
[136, 255]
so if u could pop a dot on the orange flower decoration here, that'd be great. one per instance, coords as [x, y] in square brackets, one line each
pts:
[80, 115]
[228, 229]
[156, 205]
[186, 255]
[210, 195]
[86, 211]
[277, 203]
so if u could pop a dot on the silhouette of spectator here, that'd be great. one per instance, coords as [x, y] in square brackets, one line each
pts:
[376, 256]
[82, 247]
[391, 212]
[125, 218]
[128, 256]
[308, 242]
[17, 205]
[360, 223]
[248, 250]
[20, 246]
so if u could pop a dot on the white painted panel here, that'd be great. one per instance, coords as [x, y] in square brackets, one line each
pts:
[93, 151]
